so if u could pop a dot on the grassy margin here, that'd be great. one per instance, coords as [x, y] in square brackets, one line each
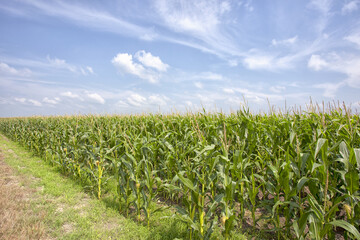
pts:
[73, 214]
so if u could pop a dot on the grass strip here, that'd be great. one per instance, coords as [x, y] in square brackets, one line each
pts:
[68, 212]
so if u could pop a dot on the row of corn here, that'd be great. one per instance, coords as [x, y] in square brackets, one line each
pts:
[294, 176]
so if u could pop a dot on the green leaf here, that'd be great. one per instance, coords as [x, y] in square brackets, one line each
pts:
[169, 146]
[344, 150]
[322, 142]
[357, 156]
[205, 149]
[160, 209]
[301, 224]
[316, 208]
[181, 211]
[301, 183]
[187, 182]
[209, 231]
[314, 227]
[229, 222]
[217, 199]
[352, 181]
[347, 226]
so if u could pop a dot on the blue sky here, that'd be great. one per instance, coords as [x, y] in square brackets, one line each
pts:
[71, 57]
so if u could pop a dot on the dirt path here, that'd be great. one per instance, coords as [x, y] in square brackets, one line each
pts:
[18, 220]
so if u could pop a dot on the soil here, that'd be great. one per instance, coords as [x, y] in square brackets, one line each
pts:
[17, 218]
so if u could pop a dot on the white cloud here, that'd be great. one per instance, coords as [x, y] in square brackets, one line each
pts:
[189, 103]
[228, 90]
[7, 70]
[354, 38]
[90, 69]
[350, 7]
[125, 62]
[260, 61]
[233, 63]
[136, 100]
[198, 85]
[158, 100]
[323, 6]
[27, 101]
[248, 6]
[207, 23]
[237, 101]
[206, 99]
[35, 102]
[225, 7]
[149, 60]
[347, 64]
[51, 101]
[209, 76]
[21, 100]
[70, 95]
[144, 69]
[277, 89]
[4, 101]
[316, 62]
[288, 41]
[122, 104]
[258, 97]
[191, 16]
[330, 89]
[96, 97]
[62, 64]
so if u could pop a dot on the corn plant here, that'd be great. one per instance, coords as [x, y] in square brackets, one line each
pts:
[300, 165]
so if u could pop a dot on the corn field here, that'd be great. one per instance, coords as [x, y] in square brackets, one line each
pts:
[300, 170]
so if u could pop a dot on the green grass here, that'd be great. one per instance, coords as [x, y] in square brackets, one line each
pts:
[71, 213]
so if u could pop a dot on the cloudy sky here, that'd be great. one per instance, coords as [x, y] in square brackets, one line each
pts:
[71, 57]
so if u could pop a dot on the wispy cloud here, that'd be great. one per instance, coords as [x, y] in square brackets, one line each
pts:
[229, 90]
[354, 38]
[21, 100]
[52, 101]
[269, 62]
[41, 65]
[136, 100]
[89, 17]
[35, 102]
[330, 89]
[131, 99]
[62, 64]
[324, 8]
[28, 101]
[210, 76]
[71, 95]
[158, 100]
[202, 21]
[199, 85]
[5, 69]
[350, 7]
[215, 27]
[347, 64]
[288, 41]
[316, 62]
[277, 89]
